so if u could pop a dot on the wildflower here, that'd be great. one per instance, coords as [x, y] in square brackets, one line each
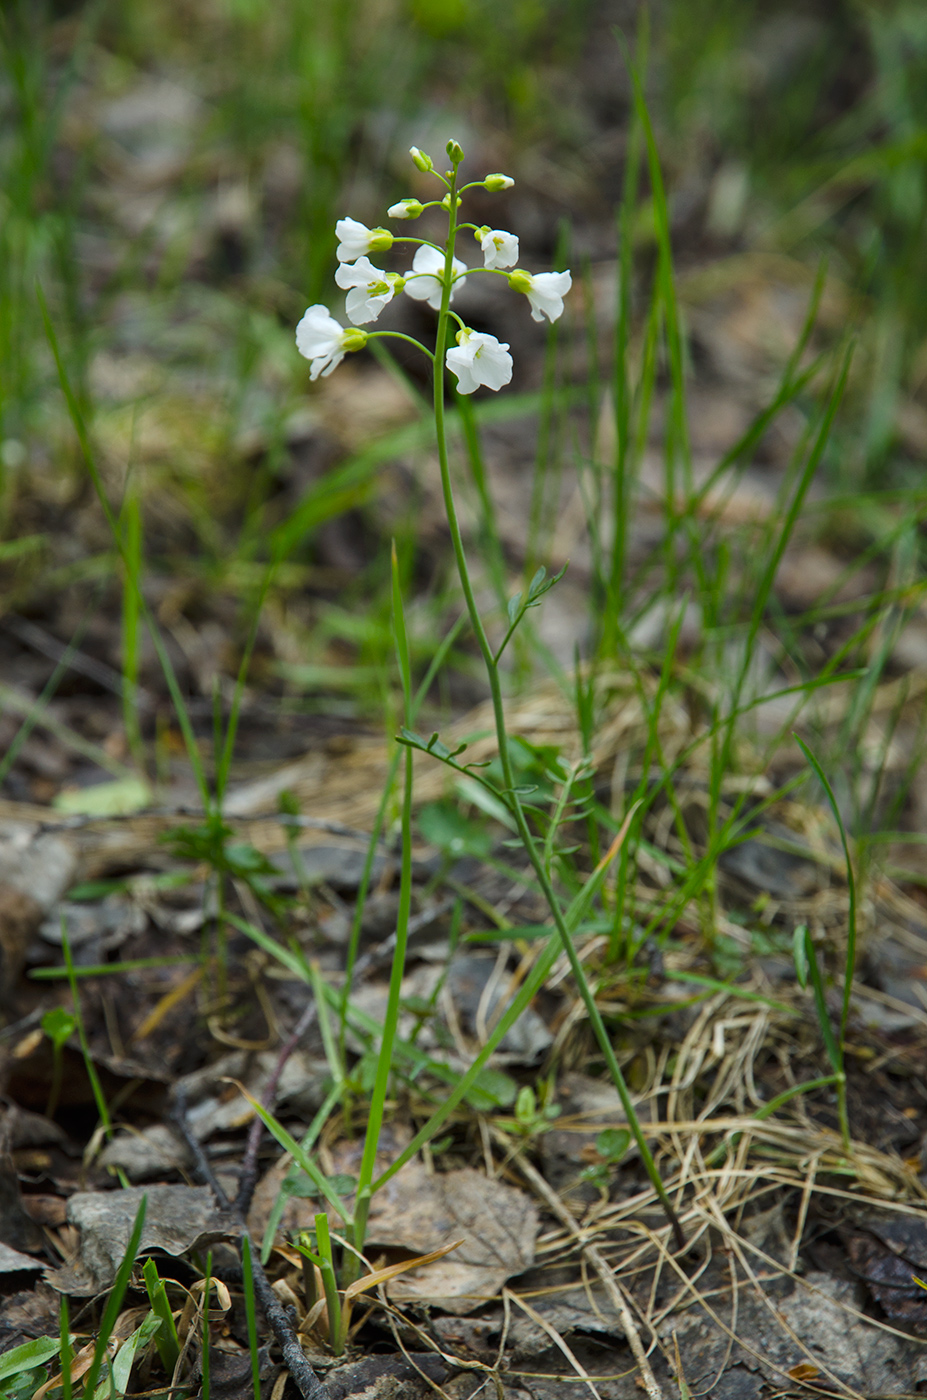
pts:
[544, 290]
[495, 183]
[500, 249]
[479, 359]
[356, 239]
[321, 339]
[370, 289]
[405, 209]
[426, 280]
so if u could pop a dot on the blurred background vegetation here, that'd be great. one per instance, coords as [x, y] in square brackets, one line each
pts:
[171, 175]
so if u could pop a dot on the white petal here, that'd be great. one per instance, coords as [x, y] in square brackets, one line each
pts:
[428, 259]
[426, 280]
[420, 288]
[318, 333]
[361, 273]
[546, 294]
[480, 359]
[362, 307]
[500, 249]
[460, 361]
[325, 366]
[353, 239]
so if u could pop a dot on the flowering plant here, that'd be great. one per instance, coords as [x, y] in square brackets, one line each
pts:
[477, 359]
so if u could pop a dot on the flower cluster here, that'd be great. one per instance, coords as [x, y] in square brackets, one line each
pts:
[434, 277]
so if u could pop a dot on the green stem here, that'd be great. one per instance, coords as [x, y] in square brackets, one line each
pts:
[391, 1019]
[511, 796]
[398, 335]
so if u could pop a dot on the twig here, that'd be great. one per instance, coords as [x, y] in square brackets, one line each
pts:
[305, 1379]
[195, 1148]
[249, 1167]
[598, 1261]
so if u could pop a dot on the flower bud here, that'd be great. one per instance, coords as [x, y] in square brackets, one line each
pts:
[422, 162]
[498, 182]
[405, 209]
[480, 233]
[380, 240]
[446, 201]
[520, 281]
[353, 339]
[455, 152]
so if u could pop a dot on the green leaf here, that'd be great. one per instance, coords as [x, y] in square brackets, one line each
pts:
[96, 889]
[59, 1025]
[245, 860]
[117, 1381]
[491, 1089]
[613, 1143]
[526, 1106]
[166, 1336]
[24, 1385]
[831, 1045]
[117, 1293]
[444, 825]
[800, 954]
[28, 1356]
[474, 792]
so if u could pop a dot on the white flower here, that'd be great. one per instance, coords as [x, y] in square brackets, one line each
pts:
[500, 249]
[371, 289]
[426, 280]
[321, 339]
[544, 290]
[405, 209]
[479, 359]
[355, 239]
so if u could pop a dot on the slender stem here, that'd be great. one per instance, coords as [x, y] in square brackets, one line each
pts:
[511, 796]
[398, 335]
[391, 1018]
[843, 1116]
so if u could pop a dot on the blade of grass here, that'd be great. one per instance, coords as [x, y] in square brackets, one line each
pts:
[205, 1379]
[167, 1341]
[83, 438]
[250, 1314]
[114, 1302]
[397, 971]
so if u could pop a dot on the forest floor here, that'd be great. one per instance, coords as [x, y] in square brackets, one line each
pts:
[193, 961]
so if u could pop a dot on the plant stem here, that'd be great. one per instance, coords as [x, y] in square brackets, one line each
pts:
[510, 794]
[391, 1019]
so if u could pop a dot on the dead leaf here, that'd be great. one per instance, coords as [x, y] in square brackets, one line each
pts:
[361, 1285]
[11, 1261]
[178, 1218]
[804, 1371]
[498, 1223]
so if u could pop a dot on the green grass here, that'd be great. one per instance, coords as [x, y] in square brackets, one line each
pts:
[821, 161]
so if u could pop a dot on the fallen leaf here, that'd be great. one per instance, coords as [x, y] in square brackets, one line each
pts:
[498, 1223]
[178, 1218]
